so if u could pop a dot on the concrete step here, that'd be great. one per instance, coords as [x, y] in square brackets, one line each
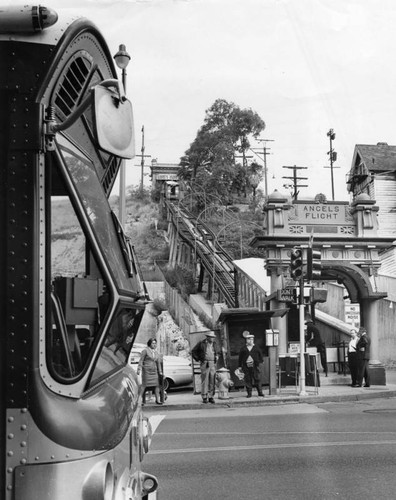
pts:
[334, 379]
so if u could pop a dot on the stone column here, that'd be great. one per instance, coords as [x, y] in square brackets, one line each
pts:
[369, 313]
[369, 316]
[279, 323]
[364, 211]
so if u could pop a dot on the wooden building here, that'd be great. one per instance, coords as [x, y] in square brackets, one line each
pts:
[373, 173]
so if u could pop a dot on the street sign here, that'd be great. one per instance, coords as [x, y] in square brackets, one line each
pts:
[287, 294]
[352, 314]
[311, 294]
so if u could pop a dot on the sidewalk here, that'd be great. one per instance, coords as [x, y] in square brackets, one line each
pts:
[333, 388]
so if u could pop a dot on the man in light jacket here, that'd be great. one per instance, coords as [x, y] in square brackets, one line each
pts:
[206, 353]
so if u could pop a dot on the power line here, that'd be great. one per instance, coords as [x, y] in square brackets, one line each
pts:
[295, 185]
[264, 152]
[142, 156]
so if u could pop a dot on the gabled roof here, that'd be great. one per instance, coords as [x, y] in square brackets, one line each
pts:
[254, 268]
[377, 158]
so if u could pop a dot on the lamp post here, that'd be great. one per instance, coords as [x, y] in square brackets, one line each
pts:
[122, 59]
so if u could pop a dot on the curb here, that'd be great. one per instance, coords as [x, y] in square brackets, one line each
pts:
[272, 401]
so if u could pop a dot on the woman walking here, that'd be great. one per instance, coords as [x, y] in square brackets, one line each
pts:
[150, 367]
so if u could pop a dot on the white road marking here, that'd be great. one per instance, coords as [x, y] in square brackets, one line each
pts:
[155, 420]
[293, 409]
[275, 446]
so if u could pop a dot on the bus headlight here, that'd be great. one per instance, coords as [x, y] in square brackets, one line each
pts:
[26, 19]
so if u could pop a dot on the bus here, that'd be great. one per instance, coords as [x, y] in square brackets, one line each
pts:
[73, 295]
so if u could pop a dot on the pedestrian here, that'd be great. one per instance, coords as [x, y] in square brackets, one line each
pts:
[206, 353]
[314, 339]
[150, 367]
[353, 361]
[250, 359]
[363, 350]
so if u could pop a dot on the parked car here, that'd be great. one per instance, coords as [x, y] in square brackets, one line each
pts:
[177, 370]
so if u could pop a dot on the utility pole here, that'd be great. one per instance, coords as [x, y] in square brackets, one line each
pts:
[332, 157]
[244, 158]
[295, 180]
[264, 152]
[143, 156]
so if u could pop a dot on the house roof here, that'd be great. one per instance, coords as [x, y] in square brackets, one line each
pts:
[377, 158]
[250, 313]
[254, 267]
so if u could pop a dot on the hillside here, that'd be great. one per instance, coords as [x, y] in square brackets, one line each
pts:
[141, 218]
[147, 232]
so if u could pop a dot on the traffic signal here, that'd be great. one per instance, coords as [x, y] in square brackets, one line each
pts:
[314, 264]
[296, 263]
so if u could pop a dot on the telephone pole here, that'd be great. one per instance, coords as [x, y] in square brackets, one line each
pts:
[142, 156]
[332, 157]
[295, 185]
[264, 151]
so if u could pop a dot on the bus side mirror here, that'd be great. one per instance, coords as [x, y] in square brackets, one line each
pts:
[113, 120]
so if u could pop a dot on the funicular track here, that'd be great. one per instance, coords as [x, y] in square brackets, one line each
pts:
[214, 260]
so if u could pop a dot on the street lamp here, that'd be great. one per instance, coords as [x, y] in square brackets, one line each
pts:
[122, 59]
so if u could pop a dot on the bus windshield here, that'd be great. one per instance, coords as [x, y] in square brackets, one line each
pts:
[100, 215]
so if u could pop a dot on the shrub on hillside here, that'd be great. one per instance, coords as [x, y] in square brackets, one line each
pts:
[182, 279]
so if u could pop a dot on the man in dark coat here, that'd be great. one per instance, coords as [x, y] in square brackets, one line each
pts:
[314, 339]
[250, 358]
[363, 350]
[206, 353]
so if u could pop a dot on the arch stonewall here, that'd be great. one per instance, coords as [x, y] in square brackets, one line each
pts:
[348, 238]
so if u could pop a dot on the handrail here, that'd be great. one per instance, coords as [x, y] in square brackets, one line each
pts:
[215, 260]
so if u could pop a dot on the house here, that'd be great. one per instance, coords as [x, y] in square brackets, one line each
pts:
[373, 172]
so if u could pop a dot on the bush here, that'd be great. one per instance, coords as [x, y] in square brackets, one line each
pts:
[158, 307]
[182, 279]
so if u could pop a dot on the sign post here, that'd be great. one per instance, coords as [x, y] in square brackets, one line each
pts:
[352, 314]
[301, 308]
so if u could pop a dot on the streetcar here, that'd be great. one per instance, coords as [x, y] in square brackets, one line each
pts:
[72, 294]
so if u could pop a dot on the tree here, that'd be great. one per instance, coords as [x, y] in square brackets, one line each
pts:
[210, 161]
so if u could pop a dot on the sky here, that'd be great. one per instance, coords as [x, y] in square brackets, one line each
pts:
[304, 66]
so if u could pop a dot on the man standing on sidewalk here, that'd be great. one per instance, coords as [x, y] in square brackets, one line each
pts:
[353, 361]
[206, 353]
[363, 350]
[250, 359]
[314, 339]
